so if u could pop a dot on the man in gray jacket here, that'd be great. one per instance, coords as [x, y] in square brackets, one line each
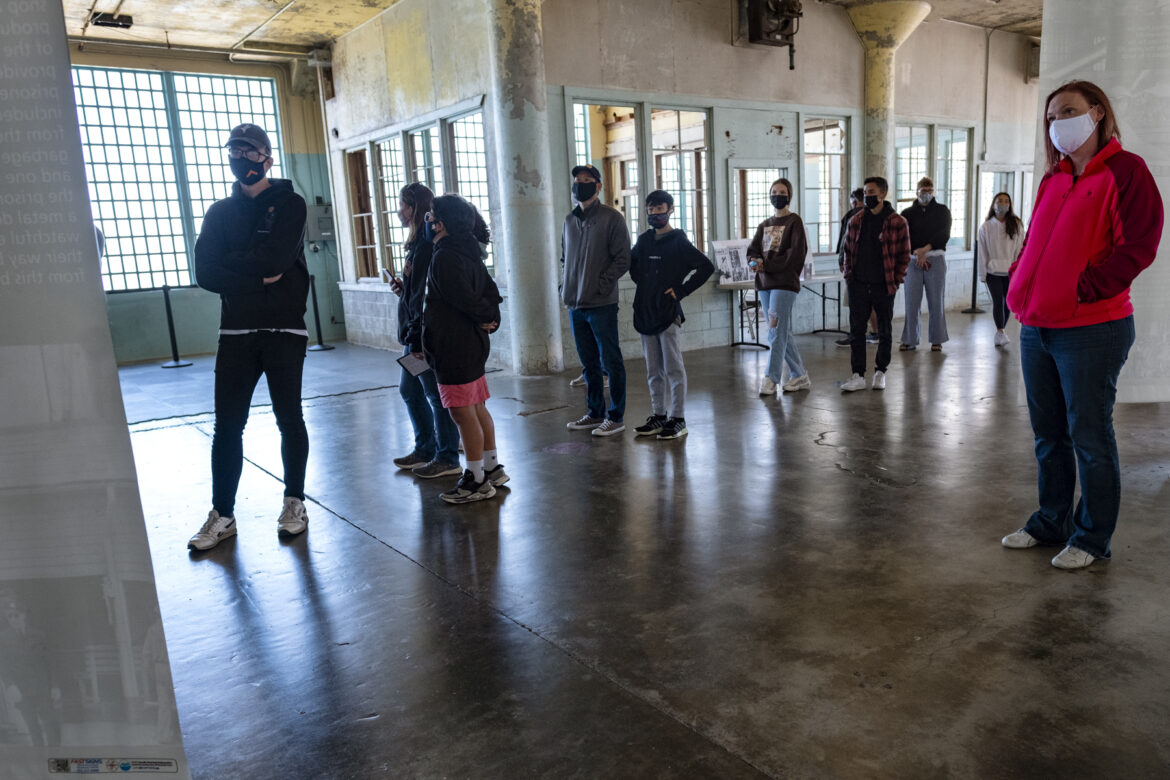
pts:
[595, 252]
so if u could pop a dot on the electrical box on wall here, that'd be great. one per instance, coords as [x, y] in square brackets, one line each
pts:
[1033, 74]
[768, 23]
[319, 223]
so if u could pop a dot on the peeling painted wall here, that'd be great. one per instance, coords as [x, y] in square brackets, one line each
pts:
[412, 59]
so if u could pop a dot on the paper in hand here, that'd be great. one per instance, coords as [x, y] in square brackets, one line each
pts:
[414, 366]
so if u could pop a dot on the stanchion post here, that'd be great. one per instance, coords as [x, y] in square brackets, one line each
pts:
[320, 346]
[974, 308]
[174, 362]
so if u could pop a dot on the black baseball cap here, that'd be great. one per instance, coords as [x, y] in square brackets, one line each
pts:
[252, 135]
[589, 169]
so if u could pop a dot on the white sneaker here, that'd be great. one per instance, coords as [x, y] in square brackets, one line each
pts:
[293, 518]
[855, 382]
[1001, 339]
[580, 381]
[800, 383]
[879, 380]
[1019, 540]
[214, 531]
[767, 386]
[609, 428]
[1072, 558]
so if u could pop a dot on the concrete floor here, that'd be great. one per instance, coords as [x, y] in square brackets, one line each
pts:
[808, 587]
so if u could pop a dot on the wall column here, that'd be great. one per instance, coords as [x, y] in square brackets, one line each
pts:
[883, 27]
[527, 235]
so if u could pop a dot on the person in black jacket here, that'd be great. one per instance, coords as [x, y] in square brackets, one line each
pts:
[461, 308]
[436, 439]
[666, 267]
[930, 230]
[251, 251]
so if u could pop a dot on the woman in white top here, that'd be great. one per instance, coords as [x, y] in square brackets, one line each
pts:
[1000, 239]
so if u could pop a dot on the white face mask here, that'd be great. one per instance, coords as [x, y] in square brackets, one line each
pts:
[1001, 209]
[1068, 135]
[925, 198]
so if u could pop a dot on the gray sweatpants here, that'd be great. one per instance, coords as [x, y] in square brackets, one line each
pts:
[664, 363]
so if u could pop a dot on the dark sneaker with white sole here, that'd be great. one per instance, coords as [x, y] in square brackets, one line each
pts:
[408, 462]
[675, 428]
[585, 423]
[437, 468]
[496, 476]
[652, 426]
[467, 490]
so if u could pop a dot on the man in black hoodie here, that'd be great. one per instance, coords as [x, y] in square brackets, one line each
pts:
[660, 265]
[251, 251]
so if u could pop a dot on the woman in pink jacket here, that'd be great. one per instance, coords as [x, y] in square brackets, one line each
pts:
[1095, 227]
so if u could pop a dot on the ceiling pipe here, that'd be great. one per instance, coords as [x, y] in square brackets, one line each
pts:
[239, 44]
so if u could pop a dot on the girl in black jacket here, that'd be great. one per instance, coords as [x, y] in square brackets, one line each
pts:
[436, 439]
[462, 307]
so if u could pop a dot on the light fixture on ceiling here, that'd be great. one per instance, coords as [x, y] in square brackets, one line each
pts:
[122, 22]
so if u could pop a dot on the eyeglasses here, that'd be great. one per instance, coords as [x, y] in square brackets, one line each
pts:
[255, 155]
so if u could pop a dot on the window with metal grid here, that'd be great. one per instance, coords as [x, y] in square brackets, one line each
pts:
[208, 107]
[471, 175]
[951, 179]
[825, 188]
[581, 134]
[912, 156]
[391, 169]
[426, 158]
[751, 203]
[154, 159]
[680, 162]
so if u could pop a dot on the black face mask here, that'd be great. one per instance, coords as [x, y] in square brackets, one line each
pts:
[779, 201]
[871, 202]
[584, 190]
[658, 221]
[246, 171]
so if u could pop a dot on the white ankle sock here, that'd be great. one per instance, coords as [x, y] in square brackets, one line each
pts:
[476, 469]
[490, 461]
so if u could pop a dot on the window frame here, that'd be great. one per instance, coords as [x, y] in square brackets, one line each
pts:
[969, 214]
[187, 155]
[803, 204]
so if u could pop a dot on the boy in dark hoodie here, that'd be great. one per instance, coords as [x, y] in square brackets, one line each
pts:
[251, 250]
[660, 264]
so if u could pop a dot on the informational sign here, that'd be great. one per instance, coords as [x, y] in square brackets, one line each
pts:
[731, 260]
[1121, 47]
[85, 682]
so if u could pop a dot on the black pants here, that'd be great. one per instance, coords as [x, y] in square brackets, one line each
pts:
[864, 298]
[997, 285]
[240, 361]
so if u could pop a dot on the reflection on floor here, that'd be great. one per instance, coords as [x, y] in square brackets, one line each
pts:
[806, 586]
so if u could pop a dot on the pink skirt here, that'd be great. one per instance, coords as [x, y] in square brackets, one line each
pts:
[469, 394]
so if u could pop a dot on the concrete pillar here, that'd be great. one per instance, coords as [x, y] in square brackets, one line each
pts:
[1121, 47]
[527, 225]
[883, 27]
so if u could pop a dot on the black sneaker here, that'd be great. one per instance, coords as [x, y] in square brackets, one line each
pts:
[436, 468]
[652, 426]
[496, 476]
[844, 341]
[675, 428]
[408, 462]
[467, 490]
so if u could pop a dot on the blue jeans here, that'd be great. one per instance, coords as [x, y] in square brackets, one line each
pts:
[595, 332]
[435, 434]
[1071, 379]
[777, 305]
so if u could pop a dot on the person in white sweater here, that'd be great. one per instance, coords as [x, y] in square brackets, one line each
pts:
[1001, 238]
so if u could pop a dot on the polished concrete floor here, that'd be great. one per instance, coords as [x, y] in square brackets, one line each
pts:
[809, 586]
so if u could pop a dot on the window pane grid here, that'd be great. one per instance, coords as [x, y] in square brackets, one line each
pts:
[427, 158]
[911, 159]
[581, 133]
[471, 175]
[825, 173]
[680, 162]
[126, 143]
[208, 108]
[390, 166]
[127, 136]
